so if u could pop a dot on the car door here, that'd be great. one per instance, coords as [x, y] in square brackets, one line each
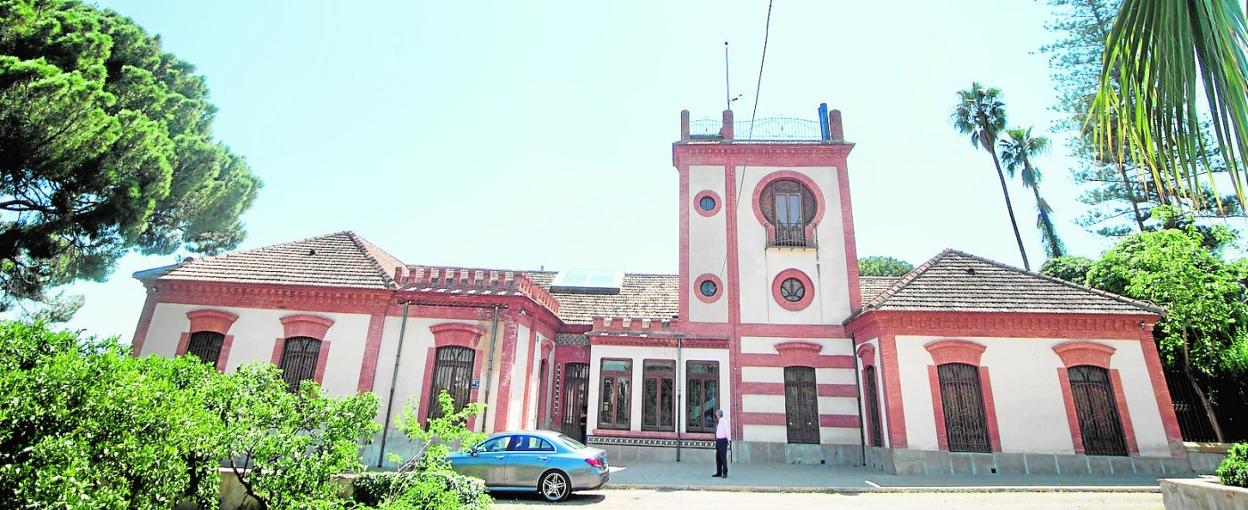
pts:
[527, 458]
[489, 463]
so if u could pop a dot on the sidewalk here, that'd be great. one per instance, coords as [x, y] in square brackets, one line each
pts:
[849, 479]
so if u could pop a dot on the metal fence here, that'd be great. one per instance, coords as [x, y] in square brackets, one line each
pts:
[767, 129]
[1228, 405]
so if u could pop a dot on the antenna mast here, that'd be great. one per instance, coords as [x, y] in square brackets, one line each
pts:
[727, 89]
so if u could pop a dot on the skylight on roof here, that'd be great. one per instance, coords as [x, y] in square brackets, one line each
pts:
[588, 281]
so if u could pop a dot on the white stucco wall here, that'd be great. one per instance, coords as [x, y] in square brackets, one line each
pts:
[638, 355]
[825, 266]
[417, 341]
[255, 333]
[708, 244]
[1031, 414]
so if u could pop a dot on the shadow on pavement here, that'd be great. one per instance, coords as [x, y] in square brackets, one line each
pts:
[533, 499]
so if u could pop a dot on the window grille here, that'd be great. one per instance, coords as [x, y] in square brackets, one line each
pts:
[452, 371]
[658, 407]
[876, 435]
[966, 426]
[1099, 423]
[299, 358]
[801, 405]
[206, 345]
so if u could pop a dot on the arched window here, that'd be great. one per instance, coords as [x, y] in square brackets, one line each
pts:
[1097, 409]
[876, 436]
[801, 405]
[206, 345]
[789, 206]
[452, 371]
[962, 399]
[299, 357]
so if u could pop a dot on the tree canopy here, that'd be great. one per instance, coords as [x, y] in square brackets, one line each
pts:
[877, 265]
[105, 146]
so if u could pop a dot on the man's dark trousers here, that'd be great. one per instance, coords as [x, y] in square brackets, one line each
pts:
[721, 456]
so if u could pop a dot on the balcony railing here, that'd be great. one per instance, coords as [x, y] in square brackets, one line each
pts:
[768, 129]
[790, 234]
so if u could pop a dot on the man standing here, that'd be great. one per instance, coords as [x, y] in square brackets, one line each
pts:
[722, 435]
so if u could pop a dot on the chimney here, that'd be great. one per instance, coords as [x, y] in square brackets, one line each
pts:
[834, 126]
[726, 130]
[684, 131]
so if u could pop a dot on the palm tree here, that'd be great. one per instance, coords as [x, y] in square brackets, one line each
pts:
[1017, 149]
[981, 114]
[1161, 58]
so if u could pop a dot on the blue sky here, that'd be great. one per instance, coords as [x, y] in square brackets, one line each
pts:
[531, 134]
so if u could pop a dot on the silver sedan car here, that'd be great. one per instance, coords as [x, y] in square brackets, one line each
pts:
[541, 461]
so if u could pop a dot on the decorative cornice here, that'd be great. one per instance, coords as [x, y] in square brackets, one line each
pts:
[1001, 324]
[657, 341]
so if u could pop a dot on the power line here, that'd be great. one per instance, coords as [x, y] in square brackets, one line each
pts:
[758, 86]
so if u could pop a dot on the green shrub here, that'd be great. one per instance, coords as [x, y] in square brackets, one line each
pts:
[440, 490]
[288, 448]
[1234, 469]
[374, 487]
[85, 424]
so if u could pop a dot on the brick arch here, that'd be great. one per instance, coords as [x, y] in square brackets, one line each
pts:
[756, 201]
[955, 351]
[456, 333]
[216, 321]
[1084, 353]
[970, 353]
[1078, 353]
[866, 353]
[798, 353]
[311, 326]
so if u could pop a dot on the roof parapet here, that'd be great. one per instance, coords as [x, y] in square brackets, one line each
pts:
[474, 281]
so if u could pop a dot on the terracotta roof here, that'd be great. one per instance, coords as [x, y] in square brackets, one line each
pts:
[958, 281]
[873, 285]
[653, 296]
[341, 259]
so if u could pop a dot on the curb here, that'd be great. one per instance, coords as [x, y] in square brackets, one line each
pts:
[1136, 489]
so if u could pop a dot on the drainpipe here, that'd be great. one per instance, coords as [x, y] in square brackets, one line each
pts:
[394, 378]
[489, 369]
[862, 424]
[680, 344]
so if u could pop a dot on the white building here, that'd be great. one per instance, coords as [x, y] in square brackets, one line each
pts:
[963, 365]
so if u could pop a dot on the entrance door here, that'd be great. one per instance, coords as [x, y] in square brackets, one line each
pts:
[575, 392]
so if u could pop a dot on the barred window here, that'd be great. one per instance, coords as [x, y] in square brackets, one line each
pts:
[801, 405]
[1097, 409]
[206, 345]
[299, 357]
[452, 372]
[962, 398]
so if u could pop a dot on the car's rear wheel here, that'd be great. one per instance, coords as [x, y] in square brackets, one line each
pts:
[554, 486]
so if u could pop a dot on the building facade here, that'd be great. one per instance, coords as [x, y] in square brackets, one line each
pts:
[962, 365]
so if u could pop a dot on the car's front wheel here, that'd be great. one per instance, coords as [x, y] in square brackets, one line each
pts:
[554, 486]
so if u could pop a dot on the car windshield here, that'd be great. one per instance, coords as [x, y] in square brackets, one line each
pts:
[572, 443]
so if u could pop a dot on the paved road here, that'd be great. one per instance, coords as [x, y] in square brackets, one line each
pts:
[651, 499]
